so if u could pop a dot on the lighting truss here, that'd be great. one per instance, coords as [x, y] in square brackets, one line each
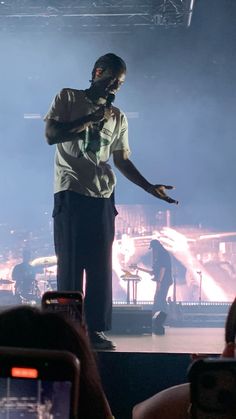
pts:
[97, 15]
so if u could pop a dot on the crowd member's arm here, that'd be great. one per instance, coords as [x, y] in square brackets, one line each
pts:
[171, 403]
[128, 169]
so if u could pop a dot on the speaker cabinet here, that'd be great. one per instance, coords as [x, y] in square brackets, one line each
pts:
[131, 320]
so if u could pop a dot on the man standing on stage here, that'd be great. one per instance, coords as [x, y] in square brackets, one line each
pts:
[87, 130]
[162, 271]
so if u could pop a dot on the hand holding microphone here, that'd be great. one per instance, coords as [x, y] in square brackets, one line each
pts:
[110, 99]
[107, 110]
[104, 112]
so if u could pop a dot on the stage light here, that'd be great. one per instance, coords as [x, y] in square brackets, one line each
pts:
[98, 16]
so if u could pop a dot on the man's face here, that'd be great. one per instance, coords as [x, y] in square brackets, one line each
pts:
[108, 81]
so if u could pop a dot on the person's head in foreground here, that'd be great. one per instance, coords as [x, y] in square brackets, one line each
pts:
[28, 327]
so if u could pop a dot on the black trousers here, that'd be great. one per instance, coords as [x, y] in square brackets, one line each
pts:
[159, 303]
[83, 237]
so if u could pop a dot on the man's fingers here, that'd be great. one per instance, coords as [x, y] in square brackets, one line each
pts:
[159, 191]
[170, 200]
[164, 196]
[163, 187]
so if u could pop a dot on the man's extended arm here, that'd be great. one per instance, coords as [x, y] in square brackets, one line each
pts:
[127, 168]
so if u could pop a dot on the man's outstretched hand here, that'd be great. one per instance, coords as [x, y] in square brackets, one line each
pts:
[159, 192]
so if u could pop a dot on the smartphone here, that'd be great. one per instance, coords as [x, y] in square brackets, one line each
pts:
[69, 304]
[213, 388]
[38, 384]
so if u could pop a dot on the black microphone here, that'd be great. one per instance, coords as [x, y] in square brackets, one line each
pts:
[110, 99]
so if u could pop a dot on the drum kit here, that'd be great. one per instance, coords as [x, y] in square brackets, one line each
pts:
[7, 291]
[45, 281]
[32, 293]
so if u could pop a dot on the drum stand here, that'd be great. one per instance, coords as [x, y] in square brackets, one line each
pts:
[174, 288]
[134, 280]
[200, 287]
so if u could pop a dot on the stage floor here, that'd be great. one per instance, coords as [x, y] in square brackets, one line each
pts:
[183, 340]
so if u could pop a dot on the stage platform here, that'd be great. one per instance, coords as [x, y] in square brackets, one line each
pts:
[176, 340]
[142, 365]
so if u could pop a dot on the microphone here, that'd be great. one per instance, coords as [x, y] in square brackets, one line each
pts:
[110, 99]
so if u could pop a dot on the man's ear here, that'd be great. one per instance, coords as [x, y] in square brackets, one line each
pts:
[98, 72]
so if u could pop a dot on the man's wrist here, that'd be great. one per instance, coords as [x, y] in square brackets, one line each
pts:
[149, 188]
[88, 118]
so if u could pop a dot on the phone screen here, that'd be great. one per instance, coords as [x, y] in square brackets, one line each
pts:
[38, 384]
[213, 388]
[33, 398]
[69, 304]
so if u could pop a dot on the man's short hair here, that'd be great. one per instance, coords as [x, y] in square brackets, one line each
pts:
[111, 61]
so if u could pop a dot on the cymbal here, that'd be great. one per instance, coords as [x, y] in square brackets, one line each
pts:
[42, 281]
[126, 272]
[6, 281]
[44, 261]
[130, 276]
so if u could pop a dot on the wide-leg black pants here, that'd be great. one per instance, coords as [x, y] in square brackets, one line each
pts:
[83, 237]
[160, 303]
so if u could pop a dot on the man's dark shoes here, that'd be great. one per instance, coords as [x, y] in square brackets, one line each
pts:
[100, 341]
